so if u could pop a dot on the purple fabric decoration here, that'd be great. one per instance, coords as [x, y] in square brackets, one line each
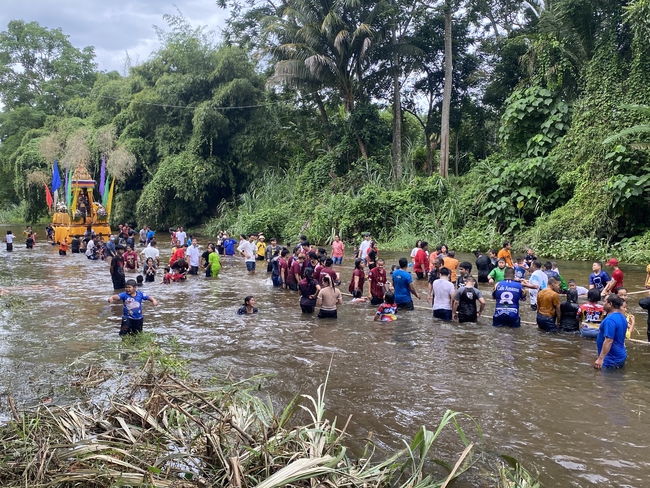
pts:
[102, 175]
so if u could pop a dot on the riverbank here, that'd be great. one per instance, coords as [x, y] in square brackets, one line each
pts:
[458, 211]
[144, 420]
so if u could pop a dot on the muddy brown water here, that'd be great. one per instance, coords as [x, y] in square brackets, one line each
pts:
[536, 396]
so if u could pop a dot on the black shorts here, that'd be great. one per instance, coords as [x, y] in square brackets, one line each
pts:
[327, 314]
[421, 275]
[10, 246]
[260, 258]
[62, 252]
[193, 270]
[307, 308]
[292, 286]
[130, 326]
[375, 300]
[462, 318]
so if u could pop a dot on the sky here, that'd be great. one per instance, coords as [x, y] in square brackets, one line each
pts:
[113, 27]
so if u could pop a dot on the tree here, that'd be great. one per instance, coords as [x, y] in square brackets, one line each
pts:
[41, 68]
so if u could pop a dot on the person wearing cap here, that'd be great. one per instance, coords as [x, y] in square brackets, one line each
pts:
[261, 247]
[617, 277]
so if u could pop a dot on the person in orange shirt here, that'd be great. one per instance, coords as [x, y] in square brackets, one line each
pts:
[505, 254]
[451, 263]
[63, 247]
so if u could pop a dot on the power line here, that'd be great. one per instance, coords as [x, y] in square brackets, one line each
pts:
[187, 106]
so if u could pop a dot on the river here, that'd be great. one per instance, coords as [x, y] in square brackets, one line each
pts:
[536, 396]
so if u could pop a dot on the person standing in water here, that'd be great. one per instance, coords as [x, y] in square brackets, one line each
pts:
[132, 311]
[611, 336]
[309, 289]
[117, 268]
[214, 264]
[9, 239]
[328, 299]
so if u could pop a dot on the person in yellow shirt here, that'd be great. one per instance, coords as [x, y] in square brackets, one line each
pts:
[647, 276]
[622, 292]
[504, 253]
[261, 248]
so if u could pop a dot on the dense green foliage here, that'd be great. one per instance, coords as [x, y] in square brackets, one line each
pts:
[287, 125]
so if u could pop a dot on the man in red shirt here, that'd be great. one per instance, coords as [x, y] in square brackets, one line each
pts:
[617, 277]
[379, 283]
[421, 261]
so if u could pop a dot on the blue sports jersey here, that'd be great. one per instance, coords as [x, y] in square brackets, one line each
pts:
[133, 304]
[508, 294]
[599, 280]
[401, 281]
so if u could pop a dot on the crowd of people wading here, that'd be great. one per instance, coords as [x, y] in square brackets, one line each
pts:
[310, 271]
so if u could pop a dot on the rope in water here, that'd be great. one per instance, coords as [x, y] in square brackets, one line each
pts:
[429, 309]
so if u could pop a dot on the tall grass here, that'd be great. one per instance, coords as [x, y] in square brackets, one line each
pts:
[13, 214]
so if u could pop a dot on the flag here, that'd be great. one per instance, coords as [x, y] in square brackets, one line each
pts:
[102, 175]
[68, 188]
[73, 208]
[56, 178]
[105, 195]
[110, 198]
[48, 196]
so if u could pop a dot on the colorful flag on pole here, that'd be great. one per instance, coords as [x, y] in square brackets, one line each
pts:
[48, 196]
[102, 175]
[110, 198]
[56, 178]
[68, 187]
[105, 195]
[73, 208]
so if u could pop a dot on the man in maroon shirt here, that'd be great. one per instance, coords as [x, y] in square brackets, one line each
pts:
[379, 283]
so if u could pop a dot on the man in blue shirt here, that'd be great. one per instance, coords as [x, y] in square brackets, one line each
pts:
[508, 293]
[403, 284]
[611, 336]
[599, 278]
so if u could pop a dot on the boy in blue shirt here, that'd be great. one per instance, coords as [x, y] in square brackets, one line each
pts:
[403, 286]
[508, 293]
[611, 336]
[599, 278]
[132, 311]
[520, 269]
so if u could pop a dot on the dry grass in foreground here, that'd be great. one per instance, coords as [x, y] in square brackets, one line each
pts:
[162, 429]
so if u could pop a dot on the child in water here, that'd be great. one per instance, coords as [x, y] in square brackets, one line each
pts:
[149, 271]
[167, 277]
[387, 310]
[132, 312]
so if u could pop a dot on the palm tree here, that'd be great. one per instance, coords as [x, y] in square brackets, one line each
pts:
[320, 45]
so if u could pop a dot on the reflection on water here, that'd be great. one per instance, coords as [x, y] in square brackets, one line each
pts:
[536, 396]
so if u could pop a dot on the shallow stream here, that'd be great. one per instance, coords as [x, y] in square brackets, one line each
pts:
[536, 396]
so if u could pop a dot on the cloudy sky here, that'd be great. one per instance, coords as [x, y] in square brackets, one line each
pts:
[113, 27]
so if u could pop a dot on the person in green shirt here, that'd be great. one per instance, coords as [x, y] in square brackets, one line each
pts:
[214, 264]
[496, 274]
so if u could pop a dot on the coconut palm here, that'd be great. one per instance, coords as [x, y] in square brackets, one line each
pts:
[319, 44]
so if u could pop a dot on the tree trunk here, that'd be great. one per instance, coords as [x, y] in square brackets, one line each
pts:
[456, 155]
[326, 120]
[446, 97]
[397, 115]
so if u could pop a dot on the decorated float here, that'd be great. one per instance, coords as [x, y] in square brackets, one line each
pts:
[79, 209]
